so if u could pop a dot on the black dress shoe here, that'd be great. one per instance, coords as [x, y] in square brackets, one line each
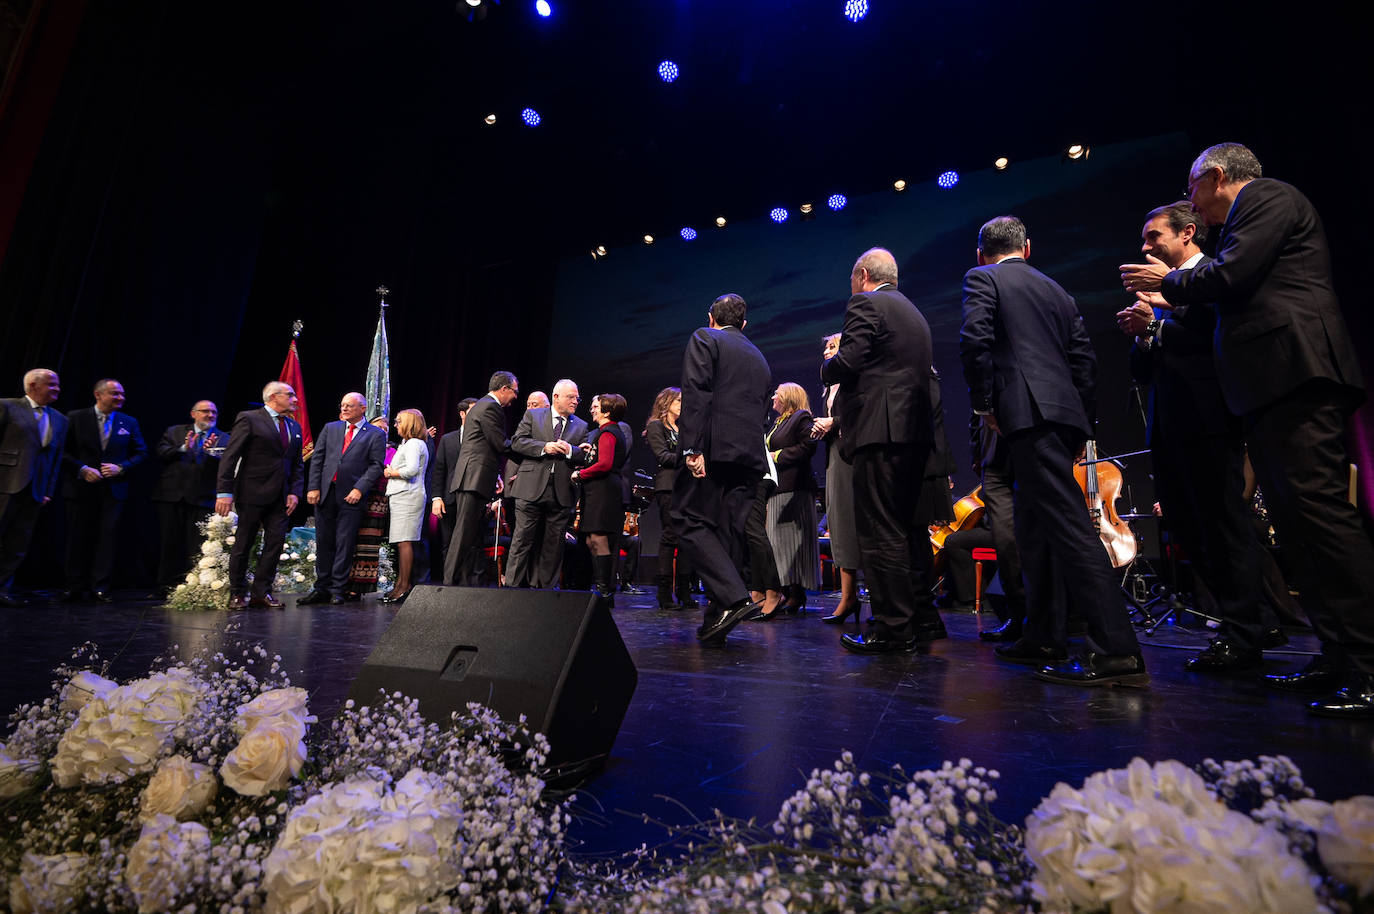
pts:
[838, 616]
[1319, 677]
[238, 602]
[1023, 651]
[11, 601]
[393, 597]
[879, 642]
[718, 623]
[337, 600]
[631, 589]
[1272, 638]
[1006, 633]
[934, 630]
[1225, 656]
[1354, 699]
[315, 596]
[266, 601]
[73, 595]
[103, 596]
[1091, 669]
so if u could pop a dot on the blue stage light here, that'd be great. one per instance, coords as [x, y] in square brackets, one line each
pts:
[667, 71]
[948, 179]
[688, 234]
[542, 8]
[531, 117]
[778, 215]
[854, 10]
[836, 202]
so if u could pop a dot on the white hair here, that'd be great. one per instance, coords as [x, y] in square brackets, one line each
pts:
[33, 375]
[272, 388]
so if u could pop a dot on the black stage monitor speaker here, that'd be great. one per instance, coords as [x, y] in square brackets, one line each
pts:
[554, 656]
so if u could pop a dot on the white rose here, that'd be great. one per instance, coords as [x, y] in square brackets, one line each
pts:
[298, 577]
[216, 584]
[84, 686]
[166, 862]
[1345, 843]
[181, 587]
[207, 561]
[265, 759]
[180, 788]
[229, 540]
[275, 705]
[191, 578]
[285, 557]
[381, 579]
[210, 549]
[207, 578]
[16, 774]
[311, 556]
[52, 883]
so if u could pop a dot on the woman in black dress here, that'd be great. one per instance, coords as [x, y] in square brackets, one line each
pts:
[603, 506]
[673, 566]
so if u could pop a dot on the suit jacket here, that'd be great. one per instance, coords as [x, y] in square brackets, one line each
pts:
[484, 443]
[256, 469]
[883, 369]
[792, 442]
[23, 458]
[1278, 321]
[1026, 354]
[537, 468]
[663, 442]
[725, 398]
[444, 470]
[940, 463]
[357, 468]
[1185, 398]
[188, 476]
[125, 447]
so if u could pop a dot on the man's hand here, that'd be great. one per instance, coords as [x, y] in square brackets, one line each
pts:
[822, 427]
[353, 496]
[436, 507]
[557, 447]
[990, 421]
[697, 464]
[1144, 277]
[1154, 300]
[1135, 319]
[291, 502]
[312, 497]
[90, 474]
[500, 485]
[223, 506]
[109, 470]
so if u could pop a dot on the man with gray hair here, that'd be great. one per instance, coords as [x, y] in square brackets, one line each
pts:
[185, 492]
[32, 437]
[543, 489]
[1288, 368]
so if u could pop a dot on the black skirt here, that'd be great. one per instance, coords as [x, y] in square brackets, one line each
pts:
[602, 508]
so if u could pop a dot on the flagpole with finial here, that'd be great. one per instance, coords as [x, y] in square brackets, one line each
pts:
[379, 366]
[291, 374]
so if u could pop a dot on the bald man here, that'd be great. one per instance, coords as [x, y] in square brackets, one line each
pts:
[32, 436]
[185, 493]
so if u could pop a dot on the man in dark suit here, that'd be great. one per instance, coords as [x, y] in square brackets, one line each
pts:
[185, 492]
[725, 398]
[883, 369]
[1031, 374]
[992, 463]
[103, 445]
[1198, 449]
[543, 489]
[347, 462]
[261, 476]
[477, 472]
[32, 438]
[444, 484]
[1288, 368]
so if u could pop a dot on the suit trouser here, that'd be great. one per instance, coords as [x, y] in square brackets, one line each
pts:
[181, 539]
[542, 521]
[1297, 447]
[271, 520]
[1054, 533]
[763, 567]
[999, 500]
[960, 569]
[893, 523]
[468, 529]
[92, 538]
[712, 512]
[336, 536]
[18, 515]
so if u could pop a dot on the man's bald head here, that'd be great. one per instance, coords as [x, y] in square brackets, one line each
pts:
[875, 267]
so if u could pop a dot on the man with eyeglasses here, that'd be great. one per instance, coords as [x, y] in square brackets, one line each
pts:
[185, 492]
[477, 473]
[1288, 368]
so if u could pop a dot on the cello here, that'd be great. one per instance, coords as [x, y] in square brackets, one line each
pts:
[1101, 485]
[968, 511]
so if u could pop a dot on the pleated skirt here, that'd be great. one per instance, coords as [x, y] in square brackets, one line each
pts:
[839, 508]
[792, 533]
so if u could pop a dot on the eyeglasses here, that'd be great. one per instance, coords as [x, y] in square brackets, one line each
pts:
[1194, 183]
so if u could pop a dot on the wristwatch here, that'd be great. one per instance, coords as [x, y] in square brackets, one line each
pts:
[1152, 328]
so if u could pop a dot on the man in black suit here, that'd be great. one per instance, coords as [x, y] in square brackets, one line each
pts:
[444, 484]
[725, 398]
[261, 476]
[1288, 368]
[883, 368]
[477, 472]
[185, 492]
[992, 463]
[32, 438]
[1198, 449]
[543, 489]
[103, 445]
[347, 462]
[1031, 374]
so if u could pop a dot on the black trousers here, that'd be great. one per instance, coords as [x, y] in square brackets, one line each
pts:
[893, 520]
[673, 562]
[1297, 447]
[271, 520]
[1054, 534]
[92, 538]
[336, 538]
[713, 511]
[999, 502]
[960, 576]
[181, 539]
[469, 527]
[763, 566]
[536, 545]
[18, 515]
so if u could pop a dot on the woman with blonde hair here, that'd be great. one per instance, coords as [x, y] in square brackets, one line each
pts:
[792, 507]
[405, 491]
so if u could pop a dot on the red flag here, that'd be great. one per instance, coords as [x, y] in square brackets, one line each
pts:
[291, 374]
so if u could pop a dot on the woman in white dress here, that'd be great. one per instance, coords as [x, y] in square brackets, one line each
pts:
[405, 491]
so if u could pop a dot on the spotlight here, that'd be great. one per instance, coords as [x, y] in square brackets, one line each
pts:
[542, 8]
[778, 215]
[648, 239]
[806, 209]
[667, 71]
[899, 185]
[1001, 162]
[594, 254]
[1077, 151]
[948, 179]
[688, 234]
[601, 250]
[474, 3]
[530, 117]
[720, 222]
[836, 202]
[854, 10]
[489, 119]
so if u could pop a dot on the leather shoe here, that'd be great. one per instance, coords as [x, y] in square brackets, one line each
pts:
[934, 630]
[1272, 638]
[1023, 651]
[11, 601]
[103, 596]
[838, 616]
[632, 589]
[1354, 699]
[1092, 669]
[718, 623]
[1319, 677]
[1006, 633]
[1225, 656]
[266, 601]
[238, 601]
[73, 595]
[876, 642]
[393, 597]
[336, 600]
[315, 596]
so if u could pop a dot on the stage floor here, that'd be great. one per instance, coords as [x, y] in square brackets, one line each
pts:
[737, 728]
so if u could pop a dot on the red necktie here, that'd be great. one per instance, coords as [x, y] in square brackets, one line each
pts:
[348, 438]
[282, 433]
